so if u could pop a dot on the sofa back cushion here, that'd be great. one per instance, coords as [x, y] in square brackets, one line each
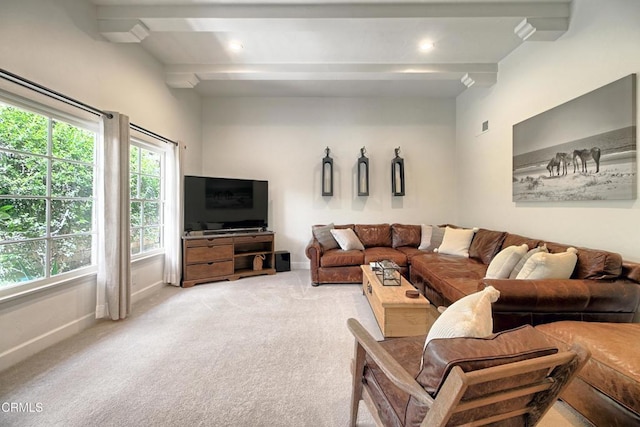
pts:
[405, 235]
[592, 263]
[517, 240]
[372, 235]
[486, 244]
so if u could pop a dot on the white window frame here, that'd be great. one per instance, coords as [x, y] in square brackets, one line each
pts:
[162, 151]
[28, 287]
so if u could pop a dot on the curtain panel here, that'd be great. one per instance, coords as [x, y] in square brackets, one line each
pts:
[173, 216]
[113, 257]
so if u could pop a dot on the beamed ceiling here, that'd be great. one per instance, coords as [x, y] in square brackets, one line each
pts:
[305, 48]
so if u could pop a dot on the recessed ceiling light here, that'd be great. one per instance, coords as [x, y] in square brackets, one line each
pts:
[235, 46]
[426, 46]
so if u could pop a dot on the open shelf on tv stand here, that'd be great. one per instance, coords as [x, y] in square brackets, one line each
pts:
[226, 256]
[232, 231]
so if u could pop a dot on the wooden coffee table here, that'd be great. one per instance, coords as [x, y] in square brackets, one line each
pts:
[397, 315]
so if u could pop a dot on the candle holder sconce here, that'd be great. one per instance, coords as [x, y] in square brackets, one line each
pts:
[363, 173]
[397, 174]
[327, 174]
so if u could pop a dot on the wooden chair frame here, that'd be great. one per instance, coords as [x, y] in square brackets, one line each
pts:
[562, 366]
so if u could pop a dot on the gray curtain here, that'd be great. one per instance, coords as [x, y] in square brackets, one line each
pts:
[114, 259]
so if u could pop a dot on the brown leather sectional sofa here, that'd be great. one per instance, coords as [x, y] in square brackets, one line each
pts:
[603, 290]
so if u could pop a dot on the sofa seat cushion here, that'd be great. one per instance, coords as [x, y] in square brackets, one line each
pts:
[384, 253]
[339, 258]
[614, 367]
[410, 252]
[449, 275]
[392, 403]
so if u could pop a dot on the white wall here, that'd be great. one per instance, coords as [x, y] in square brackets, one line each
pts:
[282, 140]
[56, 44]
[600, 47]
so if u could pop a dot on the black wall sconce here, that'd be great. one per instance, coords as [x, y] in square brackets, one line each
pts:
[397, 174]
[327, 174]
[363, 174]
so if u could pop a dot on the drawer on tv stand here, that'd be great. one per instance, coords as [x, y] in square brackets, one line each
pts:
[208, 270]
[205, 253]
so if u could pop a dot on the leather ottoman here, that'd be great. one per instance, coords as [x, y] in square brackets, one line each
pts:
[607, 389]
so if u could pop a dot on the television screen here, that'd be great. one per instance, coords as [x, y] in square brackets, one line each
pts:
[224, 203]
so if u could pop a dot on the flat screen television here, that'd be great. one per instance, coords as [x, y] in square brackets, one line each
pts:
[219, 204]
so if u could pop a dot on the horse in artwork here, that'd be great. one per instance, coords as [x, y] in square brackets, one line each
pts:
[560, 159]
[584, 156]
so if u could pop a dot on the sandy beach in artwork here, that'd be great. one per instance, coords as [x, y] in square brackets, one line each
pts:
[615, 181]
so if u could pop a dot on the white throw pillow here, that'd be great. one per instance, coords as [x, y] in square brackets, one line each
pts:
[501, 265]
[549, 266]
[425, 237]
[470, 316]
[347, 239]
[456, 241]
[524, 259]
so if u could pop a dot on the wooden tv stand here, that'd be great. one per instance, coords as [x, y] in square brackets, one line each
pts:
[225, 256]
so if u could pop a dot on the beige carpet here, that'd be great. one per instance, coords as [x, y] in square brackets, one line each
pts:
[264, 351]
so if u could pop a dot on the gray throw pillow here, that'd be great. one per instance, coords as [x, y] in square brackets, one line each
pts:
[323, 235]
[437, 234]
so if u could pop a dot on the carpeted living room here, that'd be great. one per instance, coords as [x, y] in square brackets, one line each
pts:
[168, 168]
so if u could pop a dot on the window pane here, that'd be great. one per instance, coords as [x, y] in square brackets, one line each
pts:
[149, 187]
[136, 221]
[134, 186]
[151, 213]
[23, 131]
[134, 155]
[71, 216]
[135, 241]
[151, 239]
[70, 253]
[22, 219]
[21, 262]
[150, 163]
[71, 179]
[22, 175]
[70, 142]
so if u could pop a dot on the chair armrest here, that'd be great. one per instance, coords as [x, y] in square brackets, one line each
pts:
[392, 369]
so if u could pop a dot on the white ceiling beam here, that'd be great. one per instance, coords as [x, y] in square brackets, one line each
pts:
[341, 11]
[258, 72]
[541, 29]
[123, 31]
[181, 80]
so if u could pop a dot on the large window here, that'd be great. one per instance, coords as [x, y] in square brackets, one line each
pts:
[47, 170]
[147, 197]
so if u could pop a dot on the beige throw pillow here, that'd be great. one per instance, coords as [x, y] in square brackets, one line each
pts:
[501, 265]
[549, 266]
[524, 259]
[347, 239]
[456, 241]
[470, 316]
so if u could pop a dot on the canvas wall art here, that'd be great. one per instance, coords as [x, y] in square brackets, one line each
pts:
[584, 149]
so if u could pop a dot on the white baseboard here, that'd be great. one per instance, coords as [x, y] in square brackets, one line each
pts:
[146, 291]
[300, 266]
[39, 343]
[27, 349]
